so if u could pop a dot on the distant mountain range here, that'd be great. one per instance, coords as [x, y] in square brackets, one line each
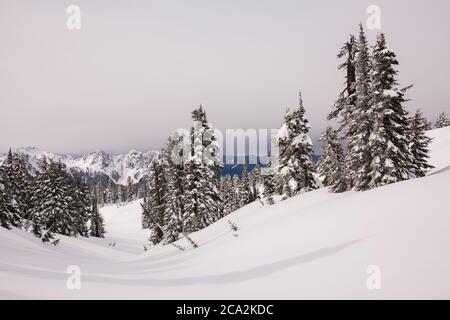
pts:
[119, 168]
[99, 165]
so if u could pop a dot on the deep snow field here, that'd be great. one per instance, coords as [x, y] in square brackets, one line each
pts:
[315, 245]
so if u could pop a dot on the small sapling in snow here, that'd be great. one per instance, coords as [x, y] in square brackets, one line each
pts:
[233, 228]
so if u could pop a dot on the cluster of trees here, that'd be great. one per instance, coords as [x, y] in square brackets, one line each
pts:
[185, 193]
[377, 143]
[238, 191]
[442, 121]
[117, 193]
[51, 202]
[384, 144]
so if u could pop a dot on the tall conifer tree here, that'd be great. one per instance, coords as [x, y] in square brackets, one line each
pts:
[390, 157]
[295, 168]
[419, 145]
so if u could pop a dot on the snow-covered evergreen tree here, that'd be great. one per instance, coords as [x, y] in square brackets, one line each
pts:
[255, 180]
[97, 227]
[53, 203]
[228, 195]
[442, 121]
[142, 190]
[245, 189]
[16, 188]
[153, 209]
[203, 204]
[197, 213]
[175, 198]
[236, 186]
[344, 107]
[390, 158]
[5, 214]
[419, 144]
[295, 167]
[110, 192]
[145, 217]
[122, 193]
[82, 203]
[269, 189]
[130, 190]
[332, 162]
[360, 123]
[100, 193]
[211, 154]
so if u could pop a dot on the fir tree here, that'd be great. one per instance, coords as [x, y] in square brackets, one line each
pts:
[245, 188]
[203, 202]
[236, 186]
[234, 228]
[22, 185]
[99, 193]
[53, 203]
[175, 198]
[110, 192]
[122, 193]
[255, 176]
[142, 190]
[145, 218]
[16, 188]
[130, 189]
[82, 204]
[419, 145]
[228, 195]
[442, 121]
[197, 213]
[344, 107]
[97, 227]
[5, 215]
[154, 207]
[295, 168]
[208, 139]
[360, 123]
[269, 187]
[331, 166]
[390, 159]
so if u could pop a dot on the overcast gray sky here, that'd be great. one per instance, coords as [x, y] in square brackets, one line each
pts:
[137, 68]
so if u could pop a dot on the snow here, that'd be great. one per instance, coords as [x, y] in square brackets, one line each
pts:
[124, 225]
[315, 245]
[283, 132]
[390, 93]
[440, 155]
[301, 139]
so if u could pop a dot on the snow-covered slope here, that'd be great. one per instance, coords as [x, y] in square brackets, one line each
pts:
[133, 164]
[440, 147]
[316, 245]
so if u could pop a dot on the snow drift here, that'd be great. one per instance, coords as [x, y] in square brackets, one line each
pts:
[316, 245]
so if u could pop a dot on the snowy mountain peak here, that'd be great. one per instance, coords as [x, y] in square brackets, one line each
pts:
[119, 168]
[30, 150]
[96, 160]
